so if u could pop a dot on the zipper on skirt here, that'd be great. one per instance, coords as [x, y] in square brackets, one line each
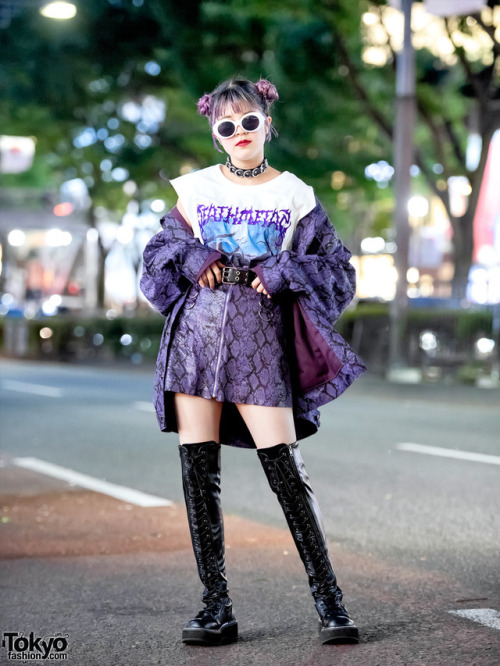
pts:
[221, 339]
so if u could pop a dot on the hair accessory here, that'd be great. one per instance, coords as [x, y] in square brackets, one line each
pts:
[205, 105]
[267, 90]
[247, 173]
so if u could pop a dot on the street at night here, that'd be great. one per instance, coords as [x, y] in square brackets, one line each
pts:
[412, 532]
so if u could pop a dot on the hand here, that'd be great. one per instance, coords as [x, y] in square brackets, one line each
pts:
[258, 286]
[212, 275]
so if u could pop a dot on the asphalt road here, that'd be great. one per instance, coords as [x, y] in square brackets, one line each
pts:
[429, 523]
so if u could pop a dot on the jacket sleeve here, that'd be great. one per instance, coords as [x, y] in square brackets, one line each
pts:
[317, 266]
[173, 259]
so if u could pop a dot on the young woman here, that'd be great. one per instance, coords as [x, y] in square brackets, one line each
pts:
[251, 276]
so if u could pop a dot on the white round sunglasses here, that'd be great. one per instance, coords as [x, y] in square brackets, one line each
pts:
[250, 122]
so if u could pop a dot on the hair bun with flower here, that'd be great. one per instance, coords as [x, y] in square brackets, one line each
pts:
[205, 105]
[267, 90]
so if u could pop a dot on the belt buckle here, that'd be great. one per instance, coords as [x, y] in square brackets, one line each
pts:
[230, 275]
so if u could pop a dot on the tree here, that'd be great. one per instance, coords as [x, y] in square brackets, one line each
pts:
[91, 103]
[83, 88]
[339, 107]
[468, 80]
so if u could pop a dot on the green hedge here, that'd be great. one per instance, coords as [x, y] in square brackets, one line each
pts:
[73, 338]
[366, 328]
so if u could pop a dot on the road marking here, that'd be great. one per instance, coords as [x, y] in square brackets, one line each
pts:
[449, 453]
[83, 480]
[487, 616]
[144, 406]
[27, 387]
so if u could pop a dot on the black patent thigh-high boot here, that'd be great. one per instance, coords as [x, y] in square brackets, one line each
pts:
[288, 478]
[215, 624]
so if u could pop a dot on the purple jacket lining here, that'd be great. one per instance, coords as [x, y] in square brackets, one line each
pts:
[316, 362]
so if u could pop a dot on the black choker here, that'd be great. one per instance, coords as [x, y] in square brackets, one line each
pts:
[246, 173]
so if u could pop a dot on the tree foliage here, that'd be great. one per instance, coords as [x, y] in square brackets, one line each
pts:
[335, 114]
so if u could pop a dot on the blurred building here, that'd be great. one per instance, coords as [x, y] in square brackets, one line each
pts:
[430, 252]
[41, 251]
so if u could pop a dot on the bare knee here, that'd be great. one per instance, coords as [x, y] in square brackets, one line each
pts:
[269, 425]
[198, 419]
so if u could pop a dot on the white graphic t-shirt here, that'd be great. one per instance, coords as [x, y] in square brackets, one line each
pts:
[249, 221]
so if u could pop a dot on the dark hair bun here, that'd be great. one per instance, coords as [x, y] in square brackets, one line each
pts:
[267, 90]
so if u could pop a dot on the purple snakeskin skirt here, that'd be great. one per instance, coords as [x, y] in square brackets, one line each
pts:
[229, 344]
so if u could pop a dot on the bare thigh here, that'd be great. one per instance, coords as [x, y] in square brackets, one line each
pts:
[198, 419]
[269, 425]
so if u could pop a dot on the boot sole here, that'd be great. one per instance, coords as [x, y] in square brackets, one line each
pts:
[226, 634]
[339, 635]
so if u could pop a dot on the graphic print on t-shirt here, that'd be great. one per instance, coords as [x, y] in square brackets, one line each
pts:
[247, 232]
[248, 223]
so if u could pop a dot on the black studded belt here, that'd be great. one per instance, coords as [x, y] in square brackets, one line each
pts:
[235, 275]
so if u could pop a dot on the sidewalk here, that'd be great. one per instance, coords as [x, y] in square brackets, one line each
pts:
[121, 581]
[430, 391]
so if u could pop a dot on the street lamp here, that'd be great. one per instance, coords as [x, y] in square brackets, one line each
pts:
[58, 10]
[403, 159]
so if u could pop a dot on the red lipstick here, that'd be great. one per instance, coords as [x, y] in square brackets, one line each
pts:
[243, 142]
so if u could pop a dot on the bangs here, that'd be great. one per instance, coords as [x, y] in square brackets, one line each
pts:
[233, 100]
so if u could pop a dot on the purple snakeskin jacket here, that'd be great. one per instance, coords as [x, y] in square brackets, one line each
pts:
[314, 283]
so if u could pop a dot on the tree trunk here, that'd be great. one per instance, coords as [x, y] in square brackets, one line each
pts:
[99, 270]
[101, 276]
[463, 242]
[463, 227]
